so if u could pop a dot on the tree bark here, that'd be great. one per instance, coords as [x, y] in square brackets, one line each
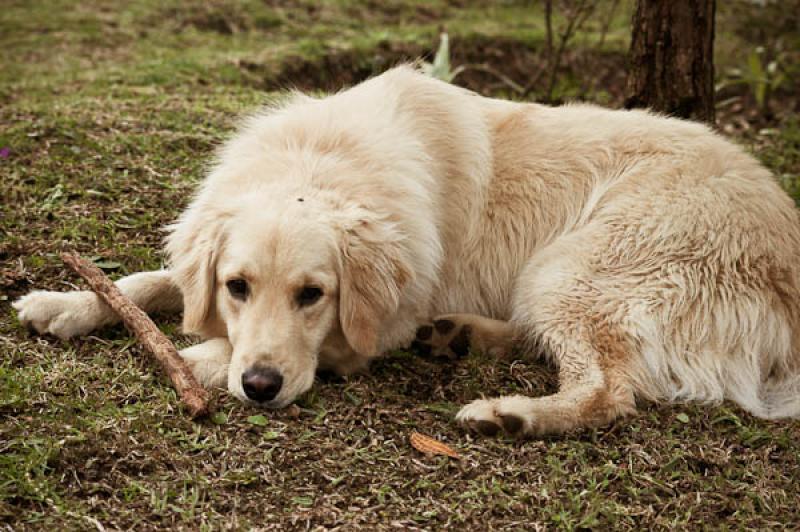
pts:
[671, 58]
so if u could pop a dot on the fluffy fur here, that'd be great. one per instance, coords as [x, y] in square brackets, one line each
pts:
[645, 255]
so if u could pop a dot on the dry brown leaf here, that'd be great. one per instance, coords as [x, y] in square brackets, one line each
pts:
[428, 445]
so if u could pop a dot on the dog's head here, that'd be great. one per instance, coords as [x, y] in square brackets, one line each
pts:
[279, 273]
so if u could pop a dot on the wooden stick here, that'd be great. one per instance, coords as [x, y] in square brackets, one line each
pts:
[192, 394]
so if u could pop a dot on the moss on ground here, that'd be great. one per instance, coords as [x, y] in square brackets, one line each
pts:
[110, 112]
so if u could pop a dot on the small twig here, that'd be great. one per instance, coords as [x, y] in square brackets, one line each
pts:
[548, 23]
[607, 23]
[191, 393]
[575, 20]
[513, 85]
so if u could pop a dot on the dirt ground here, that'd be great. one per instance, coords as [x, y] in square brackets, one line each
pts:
[109, 112]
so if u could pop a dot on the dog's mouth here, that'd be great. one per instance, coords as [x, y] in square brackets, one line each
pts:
[273, 404]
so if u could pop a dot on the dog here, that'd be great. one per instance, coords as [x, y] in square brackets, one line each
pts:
[646, 256]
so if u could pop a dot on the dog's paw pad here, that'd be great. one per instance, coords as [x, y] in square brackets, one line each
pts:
[421, 348]
[512, 424]
[443, 326]
[479, 416]
[444, 337]
[487, 428]
[461, 342]
[486, 417]
[424, 333]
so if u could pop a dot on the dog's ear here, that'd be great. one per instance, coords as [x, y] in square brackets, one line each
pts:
[193, 247]
[374, 270]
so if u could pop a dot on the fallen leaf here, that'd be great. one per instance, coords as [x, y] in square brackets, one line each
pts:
[107, 264]
[428, 445]
[259, 420]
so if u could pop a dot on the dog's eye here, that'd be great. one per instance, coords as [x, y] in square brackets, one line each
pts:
[308, 295]
[237, 288]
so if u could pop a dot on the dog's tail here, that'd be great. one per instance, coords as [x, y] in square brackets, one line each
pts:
[779, 392]
[781, 398]
[765, 377]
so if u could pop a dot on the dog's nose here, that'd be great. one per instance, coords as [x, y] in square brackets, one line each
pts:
[261, 384]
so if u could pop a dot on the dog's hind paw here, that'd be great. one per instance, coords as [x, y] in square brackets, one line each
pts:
[454, 335]
[491, 417]
[443, 338]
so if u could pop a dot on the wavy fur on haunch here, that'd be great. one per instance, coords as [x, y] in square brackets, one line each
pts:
[647, 256]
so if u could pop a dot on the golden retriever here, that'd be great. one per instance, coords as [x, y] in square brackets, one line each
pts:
[646, 256]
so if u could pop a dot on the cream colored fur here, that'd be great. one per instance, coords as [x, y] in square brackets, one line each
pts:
[646, 255]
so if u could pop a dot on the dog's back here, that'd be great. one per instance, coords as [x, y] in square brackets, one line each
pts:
[673, 240]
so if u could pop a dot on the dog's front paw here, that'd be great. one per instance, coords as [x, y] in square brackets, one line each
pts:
[209, 362]
[62, 314]
[493, 416]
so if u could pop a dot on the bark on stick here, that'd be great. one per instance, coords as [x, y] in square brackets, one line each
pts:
[194, 396]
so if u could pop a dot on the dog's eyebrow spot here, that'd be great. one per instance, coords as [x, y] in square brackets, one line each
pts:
[300, 199]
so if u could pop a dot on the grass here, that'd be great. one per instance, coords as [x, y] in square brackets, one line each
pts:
[111, 111]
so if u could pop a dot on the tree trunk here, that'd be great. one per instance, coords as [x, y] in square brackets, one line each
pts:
[671, 58]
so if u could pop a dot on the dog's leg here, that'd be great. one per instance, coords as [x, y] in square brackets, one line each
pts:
[589, 395]
[209, 361]
[454, 335]
[68, 314]
[563, 306]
